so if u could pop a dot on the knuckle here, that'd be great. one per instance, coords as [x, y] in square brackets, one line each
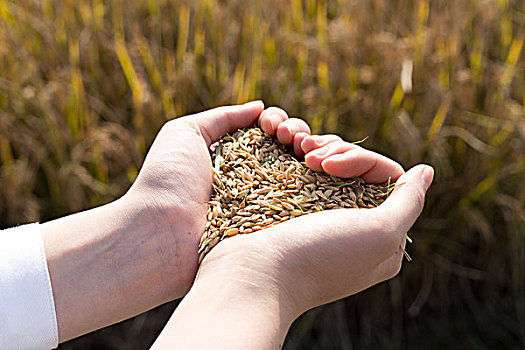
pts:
[186, 126]
[170, 125]
[177, 124]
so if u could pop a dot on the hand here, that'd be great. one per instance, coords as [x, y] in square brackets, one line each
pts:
[282, 271]
[325, 256]
[175, 181]
[118, 260]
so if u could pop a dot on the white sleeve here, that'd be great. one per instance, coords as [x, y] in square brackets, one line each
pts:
[27, 308]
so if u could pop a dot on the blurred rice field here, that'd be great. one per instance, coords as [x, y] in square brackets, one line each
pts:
[85, 86]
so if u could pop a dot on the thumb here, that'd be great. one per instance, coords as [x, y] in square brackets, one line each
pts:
[215, 123]
[406, 202]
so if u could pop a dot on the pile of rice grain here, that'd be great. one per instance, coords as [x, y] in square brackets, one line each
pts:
[258, 183]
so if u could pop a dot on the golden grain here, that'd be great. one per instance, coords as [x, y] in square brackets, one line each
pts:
[257, 183]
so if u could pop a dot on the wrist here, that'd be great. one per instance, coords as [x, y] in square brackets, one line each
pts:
[106, 264]
[163, 243]
[251, 273]
[248, 304]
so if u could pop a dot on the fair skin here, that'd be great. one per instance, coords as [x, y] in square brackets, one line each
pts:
[121, 259]
[116, 261]
[254, 286]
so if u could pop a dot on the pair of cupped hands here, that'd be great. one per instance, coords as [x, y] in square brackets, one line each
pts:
[308, 261]
[146, 242]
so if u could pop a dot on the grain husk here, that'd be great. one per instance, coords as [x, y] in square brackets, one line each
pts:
[258, 183]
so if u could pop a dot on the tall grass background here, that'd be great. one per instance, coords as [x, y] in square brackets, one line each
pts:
[85, 86]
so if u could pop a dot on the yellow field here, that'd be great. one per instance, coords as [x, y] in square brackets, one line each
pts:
[85, 86]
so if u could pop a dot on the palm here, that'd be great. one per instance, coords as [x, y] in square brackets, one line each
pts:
[174, 185]
[177, 176]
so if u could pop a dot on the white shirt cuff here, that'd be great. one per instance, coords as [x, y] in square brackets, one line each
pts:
[27, 309]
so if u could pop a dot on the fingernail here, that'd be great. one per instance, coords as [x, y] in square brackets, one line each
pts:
[428, 176]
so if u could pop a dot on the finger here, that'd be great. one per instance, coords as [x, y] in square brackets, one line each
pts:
[271, 118]
[287, 130]
[215, 123]
[405, 204]
[371, 166]
[297, 140]
[316, 141]
[314, 158]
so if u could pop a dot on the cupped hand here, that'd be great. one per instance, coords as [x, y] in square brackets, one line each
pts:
[321, 257]
[174, 185]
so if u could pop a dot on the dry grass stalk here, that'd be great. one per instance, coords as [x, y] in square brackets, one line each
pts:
[257, 183]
